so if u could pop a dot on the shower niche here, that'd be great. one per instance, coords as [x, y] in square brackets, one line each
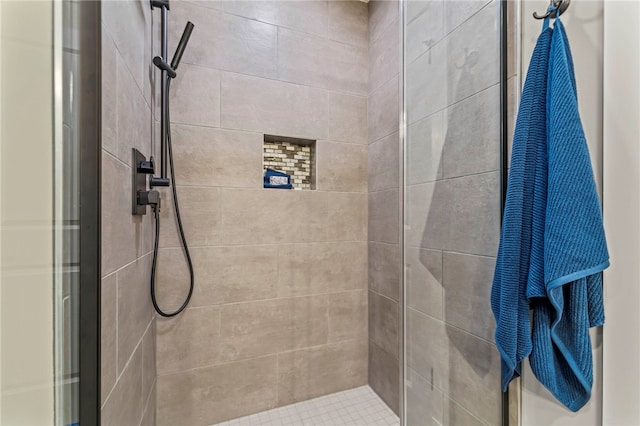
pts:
[293, 156]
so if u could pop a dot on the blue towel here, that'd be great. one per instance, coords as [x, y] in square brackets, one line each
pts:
[552, 249]
[575, 250]
[520, 254]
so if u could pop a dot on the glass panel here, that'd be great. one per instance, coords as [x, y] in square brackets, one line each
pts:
[451, 210]
[38, 214]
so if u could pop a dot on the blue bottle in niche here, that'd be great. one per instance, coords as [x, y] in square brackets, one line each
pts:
[276, 179]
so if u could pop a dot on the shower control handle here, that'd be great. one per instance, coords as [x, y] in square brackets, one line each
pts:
[146, 167]
[164, 66]
[158, 181]
[146, 198]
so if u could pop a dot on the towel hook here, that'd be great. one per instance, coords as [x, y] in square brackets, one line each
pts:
[556, 8]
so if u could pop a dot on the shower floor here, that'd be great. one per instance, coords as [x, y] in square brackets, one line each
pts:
[355, 407]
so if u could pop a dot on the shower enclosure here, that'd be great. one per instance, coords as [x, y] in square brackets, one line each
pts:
[376, 274]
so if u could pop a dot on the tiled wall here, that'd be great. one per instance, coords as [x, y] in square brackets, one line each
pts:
[279, 312]
[128, 331]
[453, 210]
[384, 201]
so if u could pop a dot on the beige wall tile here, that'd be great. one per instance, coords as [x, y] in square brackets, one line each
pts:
[190, 340]
[201, 217]
[124, 405]
[214, 157]
[108, 95]
[148, 346]
[473, 36]
[381, 14]
[312, 372]
[455, 414]
[383, 110]
[384, 56]
[460, 215]
[309, 17]
[426, 29]
[424, 281]
[384, 323]
[456, 14]
[429, 355]
[321, 268]
[195, 96]
[467, 283]
[348, 315]
[133, 115]
[231, 274]
[209, 395]
[474, 370]
[384, 163]
[108, 336]
[472, 140]
[347, 117]
[266, 327]
[149, 416]
[224, 41]
[349, 22]
[318, 62]
[347, 217]
[273, 107]
[172, 278]
[426, 87]
[424, 402]
[384, 216]
[341, 167]
[425, 144]
[123, 235]
[126, 23]
[263, 11]
[273, 216]
[385, 273]
[135, 311]
[384, 377]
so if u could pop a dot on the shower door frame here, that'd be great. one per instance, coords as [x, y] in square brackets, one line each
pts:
[90, 183]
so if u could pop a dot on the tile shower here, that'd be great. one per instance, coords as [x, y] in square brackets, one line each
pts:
[297, 293]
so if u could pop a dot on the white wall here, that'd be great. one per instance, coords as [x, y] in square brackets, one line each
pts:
[26, 142]
[584, 23]
[622, 212]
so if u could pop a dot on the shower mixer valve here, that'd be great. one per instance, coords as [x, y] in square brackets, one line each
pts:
[140, 196]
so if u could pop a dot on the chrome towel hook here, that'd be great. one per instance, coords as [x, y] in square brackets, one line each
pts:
[556, 8]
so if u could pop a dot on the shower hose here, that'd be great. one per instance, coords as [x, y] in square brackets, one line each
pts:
[156, 210]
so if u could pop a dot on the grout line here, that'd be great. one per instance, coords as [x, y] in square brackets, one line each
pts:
[124, 369]
[277, 25]
[120, 268]
[262, 244]
[456, 103]
[277, 298]
[145, 409]
[486, 172]
[115, 157]
[263, 77]
[252, 358]
[447, 324]
[384, 296]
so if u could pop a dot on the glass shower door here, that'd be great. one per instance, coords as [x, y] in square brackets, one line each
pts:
[452, 210]
[48, 131]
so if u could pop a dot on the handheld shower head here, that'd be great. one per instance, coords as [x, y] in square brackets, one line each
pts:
[182, 45]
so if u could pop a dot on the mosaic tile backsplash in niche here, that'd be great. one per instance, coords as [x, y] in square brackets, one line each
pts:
[291, 158]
